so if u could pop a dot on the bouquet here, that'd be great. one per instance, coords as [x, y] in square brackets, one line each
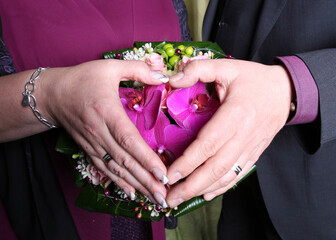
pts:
[168, 119]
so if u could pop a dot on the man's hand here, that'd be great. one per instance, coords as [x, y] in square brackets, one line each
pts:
[255, 104]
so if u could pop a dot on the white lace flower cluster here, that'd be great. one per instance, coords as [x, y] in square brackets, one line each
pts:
[136, 54]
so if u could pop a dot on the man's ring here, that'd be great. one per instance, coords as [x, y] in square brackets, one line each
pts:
[236, 168]
[107, 157]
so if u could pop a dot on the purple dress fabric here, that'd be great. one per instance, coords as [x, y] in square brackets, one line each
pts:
[65, 33]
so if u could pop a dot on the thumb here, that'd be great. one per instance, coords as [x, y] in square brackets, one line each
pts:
[198, 70]
[140, 71]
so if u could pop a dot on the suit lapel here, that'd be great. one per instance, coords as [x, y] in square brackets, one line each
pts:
[269, 15]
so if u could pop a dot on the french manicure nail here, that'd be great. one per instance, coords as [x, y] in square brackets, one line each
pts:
[151, 198]
[164, 180]
[132, 196]
[160, 176]
[128, 192]
[159, 198]
[177, 77]
[177, 176]
[159, 76]
[176, 202]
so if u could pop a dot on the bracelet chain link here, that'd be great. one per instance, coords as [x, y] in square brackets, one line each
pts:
[30, 100]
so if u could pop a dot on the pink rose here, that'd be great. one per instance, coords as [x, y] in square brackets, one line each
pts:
[97, 177]
[155, 61]
[185, 60]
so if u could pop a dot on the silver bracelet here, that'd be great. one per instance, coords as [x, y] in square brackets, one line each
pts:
[30, 100]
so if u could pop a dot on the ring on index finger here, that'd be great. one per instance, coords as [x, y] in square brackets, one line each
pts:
[107, 157]
[236, 168]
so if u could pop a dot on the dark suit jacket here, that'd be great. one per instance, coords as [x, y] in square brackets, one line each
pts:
[297, 172]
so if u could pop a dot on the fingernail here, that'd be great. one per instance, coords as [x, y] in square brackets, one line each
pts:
[160, 176]
[132, 196]
[209, 197]
[151, 198]
[129, 193]
[176, 202]
[177, 77]
[159, 198]
[159, 76]
[177, 176]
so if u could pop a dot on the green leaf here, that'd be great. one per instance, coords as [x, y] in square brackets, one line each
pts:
[92, 198]
[198, 202]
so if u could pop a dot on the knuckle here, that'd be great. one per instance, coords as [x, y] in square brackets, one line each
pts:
[217, 171]
[223, 182]
[90, 130]
[209, 148]
[118, 171]
[189, 192]
[127, 140]
[128, 162]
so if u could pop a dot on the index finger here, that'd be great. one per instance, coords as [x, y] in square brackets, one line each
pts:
[208, 142]
[129, 138]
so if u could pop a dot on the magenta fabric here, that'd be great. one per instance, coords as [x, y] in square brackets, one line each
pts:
[6, 231]
[58, 33]
[305, 88]
[158, 230]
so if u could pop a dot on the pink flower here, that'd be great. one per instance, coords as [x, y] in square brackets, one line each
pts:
[185, 60]
[170, 140]
[166, 92]
[96, 177]
[191, 107]
[155, 61]
[142, 107]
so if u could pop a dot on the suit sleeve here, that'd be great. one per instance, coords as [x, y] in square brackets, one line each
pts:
[321, 64]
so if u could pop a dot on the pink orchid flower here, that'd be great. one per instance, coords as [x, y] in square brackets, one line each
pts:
[142, 107]
[170, 140]
[192, 107]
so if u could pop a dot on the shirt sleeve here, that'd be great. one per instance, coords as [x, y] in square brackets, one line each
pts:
[305, 88]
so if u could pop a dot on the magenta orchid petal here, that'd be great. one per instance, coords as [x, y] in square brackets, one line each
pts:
[147, 135]
[150, 89]
[196, 121]
[177, 139]
[151, 109]
[198, 88]
[180, 117]
[161, 124]
[213, 105]
[178, 101]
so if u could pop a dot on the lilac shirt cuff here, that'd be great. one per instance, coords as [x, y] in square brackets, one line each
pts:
[305, 89]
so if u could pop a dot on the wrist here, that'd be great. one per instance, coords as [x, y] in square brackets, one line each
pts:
[29, 97]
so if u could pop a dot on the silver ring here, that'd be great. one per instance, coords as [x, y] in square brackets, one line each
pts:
[236, 168]
[107, 157]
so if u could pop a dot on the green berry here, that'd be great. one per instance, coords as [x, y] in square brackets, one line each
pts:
[181, 47]
[189, 50]
[168, 45]
[170, 51]
[173, 60]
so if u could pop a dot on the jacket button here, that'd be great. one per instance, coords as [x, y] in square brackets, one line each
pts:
[221, 24]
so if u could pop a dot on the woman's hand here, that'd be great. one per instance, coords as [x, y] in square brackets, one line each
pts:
[255, 104]
[84, 100]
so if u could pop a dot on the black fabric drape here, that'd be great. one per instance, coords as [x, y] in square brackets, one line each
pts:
[29, 187]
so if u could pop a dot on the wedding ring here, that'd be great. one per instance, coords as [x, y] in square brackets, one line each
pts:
[107, 157]
[236, 168]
